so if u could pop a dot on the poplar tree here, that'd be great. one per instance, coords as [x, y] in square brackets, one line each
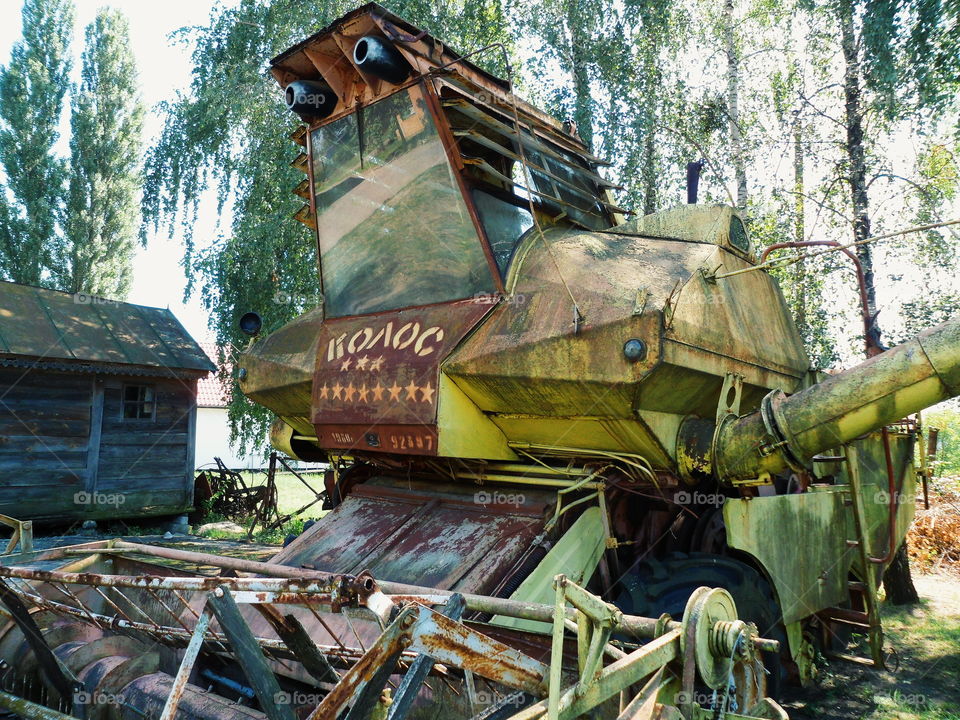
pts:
[105, 149]
[32, 90]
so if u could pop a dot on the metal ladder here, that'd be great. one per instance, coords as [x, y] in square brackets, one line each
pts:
[868, 619]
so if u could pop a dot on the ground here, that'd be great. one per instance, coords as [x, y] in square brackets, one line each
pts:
[926, 686]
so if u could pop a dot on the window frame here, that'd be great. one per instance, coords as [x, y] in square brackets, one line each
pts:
[449, 144]
[140, 403]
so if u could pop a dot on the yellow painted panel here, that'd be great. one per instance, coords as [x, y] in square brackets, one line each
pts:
[576, 555]
[465, 432]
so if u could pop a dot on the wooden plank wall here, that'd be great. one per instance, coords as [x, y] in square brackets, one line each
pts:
[64, 433]
[44, 434]
[147, 459]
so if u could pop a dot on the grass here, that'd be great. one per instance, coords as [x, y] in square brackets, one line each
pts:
[292, 495]
[927, 643]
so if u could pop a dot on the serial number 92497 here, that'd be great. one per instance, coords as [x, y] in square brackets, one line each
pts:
[411, 441]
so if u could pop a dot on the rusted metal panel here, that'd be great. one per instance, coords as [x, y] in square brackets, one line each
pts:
[51, 325]
[385, 368]
[439, 536]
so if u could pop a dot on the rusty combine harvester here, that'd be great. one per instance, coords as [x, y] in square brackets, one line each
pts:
[579, 465]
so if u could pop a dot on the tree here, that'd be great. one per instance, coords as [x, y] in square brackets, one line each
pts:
[228, 135]
[733, 103]
[105, 150]
[32, 91]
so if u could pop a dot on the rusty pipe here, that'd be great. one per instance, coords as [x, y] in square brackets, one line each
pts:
[786, 432]
[870, 342]
[894, 496]
[634, 625]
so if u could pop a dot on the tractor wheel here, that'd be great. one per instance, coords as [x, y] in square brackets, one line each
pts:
[658, 586]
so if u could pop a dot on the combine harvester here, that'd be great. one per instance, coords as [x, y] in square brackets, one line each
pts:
[579, 465]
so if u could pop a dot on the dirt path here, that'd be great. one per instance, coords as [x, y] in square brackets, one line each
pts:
[927, 685]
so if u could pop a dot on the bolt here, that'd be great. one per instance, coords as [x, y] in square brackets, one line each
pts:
[408, 620]
[218, 592]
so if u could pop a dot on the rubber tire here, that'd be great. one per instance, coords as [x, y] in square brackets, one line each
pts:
[658, 586]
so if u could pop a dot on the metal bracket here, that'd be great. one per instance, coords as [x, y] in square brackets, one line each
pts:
[730, 395]
[186, 666]
[22, 533]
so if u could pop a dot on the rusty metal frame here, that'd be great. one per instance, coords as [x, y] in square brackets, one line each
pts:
[22, 534]
[414, 636]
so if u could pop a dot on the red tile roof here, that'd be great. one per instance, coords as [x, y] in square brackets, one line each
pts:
[211, 391]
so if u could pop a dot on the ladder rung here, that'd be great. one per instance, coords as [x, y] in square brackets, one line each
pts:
[851, 658]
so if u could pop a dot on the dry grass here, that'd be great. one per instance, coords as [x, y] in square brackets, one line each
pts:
[934, 539]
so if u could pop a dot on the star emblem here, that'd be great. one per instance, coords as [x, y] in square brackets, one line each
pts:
[345, 365]
[411, 391]
[337, 390]
[378, 392]
[362, 362]
[395, 392]
[350, 392]
[375, 365]
[324, 392]
[362, 393]
[427, 393]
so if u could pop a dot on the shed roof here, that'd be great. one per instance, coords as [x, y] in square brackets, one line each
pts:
[82, 330]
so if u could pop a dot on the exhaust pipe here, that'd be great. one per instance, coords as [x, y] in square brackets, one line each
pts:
[376, 56]
[693, 181]
[310, 98]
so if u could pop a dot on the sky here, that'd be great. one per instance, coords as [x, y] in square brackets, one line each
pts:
[158, 279]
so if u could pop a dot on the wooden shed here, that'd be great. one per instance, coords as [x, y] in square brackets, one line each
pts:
[97, 407]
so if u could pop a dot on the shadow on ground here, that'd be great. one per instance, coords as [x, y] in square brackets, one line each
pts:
[926, 686]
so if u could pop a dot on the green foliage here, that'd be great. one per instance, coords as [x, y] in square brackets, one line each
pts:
[105, 146]
[32, 91]
[69, 225]
[946, 418]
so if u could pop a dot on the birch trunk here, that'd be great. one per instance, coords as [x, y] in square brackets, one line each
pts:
[733, 108]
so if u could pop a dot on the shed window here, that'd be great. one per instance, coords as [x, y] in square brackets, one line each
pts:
[138, 402]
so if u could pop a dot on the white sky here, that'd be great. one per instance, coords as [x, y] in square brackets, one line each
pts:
[158, 279]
